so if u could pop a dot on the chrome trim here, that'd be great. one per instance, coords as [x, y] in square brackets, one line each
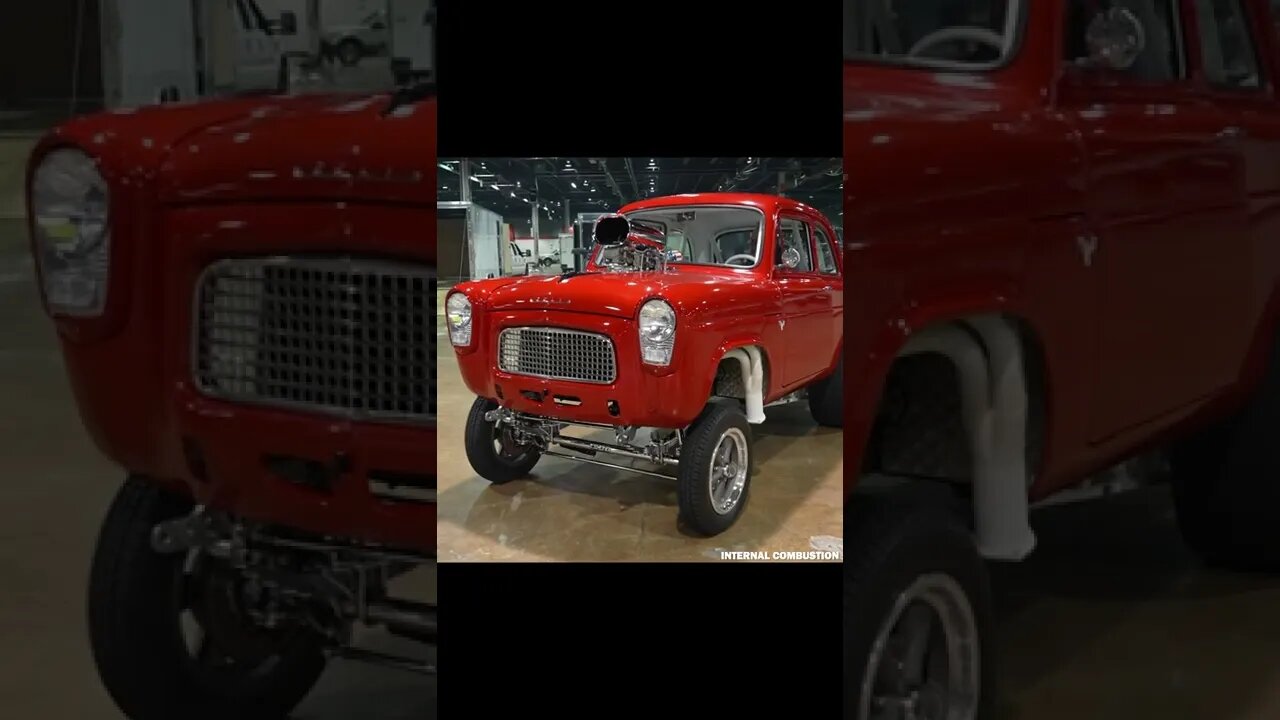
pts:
[613, 354]
[324, 264]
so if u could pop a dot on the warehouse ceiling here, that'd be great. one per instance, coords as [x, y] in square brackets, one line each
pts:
[511, 186]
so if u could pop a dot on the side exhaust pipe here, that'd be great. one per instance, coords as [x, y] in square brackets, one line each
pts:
[752, 363]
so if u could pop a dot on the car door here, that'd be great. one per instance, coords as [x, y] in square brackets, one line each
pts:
[1165, 205]
[806, 302]
[1241, 82]
[826, 245]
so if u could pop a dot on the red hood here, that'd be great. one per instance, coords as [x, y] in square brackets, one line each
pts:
[331, 147]
[688, 290]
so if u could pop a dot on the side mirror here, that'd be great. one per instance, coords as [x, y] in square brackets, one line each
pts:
[1116, 39]
[790, 259]
[288, 23]
[611, 230]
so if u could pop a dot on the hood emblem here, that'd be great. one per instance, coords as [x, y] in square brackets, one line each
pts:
[556, 300]
[342, 173]
[782, 324]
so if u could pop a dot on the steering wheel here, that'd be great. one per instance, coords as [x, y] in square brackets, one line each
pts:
[751, 259]
[952, 34]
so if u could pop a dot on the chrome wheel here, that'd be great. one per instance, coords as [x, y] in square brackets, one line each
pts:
[729, 462]
[925, 663]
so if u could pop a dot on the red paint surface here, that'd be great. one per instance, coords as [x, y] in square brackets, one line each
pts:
[264, 176]
[717, 309]
[967, 193]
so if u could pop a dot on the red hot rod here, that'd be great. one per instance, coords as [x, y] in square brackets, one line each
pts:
[244, 295]
[693, 313]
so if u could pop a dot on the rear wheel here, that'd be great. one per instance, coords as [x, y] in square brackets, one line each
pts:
[1226, 483]
[916, 614]
[826, 398]
[492, 449]
[715, 469]
[170, 635]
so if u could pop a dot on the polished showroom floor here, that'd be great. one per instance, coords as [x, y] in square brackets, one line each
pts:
[55, 491]
[573, 511]
[1112, 617]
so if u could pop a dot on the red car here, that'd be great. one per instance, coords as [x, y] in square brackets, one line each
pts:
[693, 314]
[1062, 222]
[244, 294]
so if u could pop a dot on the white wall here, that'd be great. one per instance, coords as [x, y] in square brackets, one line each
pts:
[146, 46]
[409, 37]
[485, 242]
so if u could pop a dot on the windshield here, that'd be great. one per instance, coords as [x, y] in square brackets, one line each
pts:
[948, 34]
[699, 235]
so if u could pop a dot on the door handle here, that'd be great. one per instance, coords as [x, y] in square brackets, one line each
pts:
[1232, 133]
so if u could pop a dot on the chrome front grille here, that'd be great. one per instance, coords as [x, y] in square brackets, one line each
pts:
[557, 353]
[345, 337]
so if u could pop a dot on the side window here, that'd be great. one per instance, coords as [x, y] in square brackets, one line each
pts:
[826, 256]
[1230, 60]
[1160, 60]
[794, 234]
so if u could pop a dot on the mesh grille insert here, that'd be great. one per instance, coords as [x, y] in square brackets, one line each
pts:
[344, 337]
[557, 353]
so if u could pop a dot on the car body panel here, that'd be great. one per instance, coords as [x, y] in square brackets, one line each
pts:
[183, 197]
[1110, 222]
[717, 308]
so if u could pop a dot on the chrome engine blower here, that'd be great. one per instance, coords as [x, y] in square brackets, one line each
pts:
[629, 247]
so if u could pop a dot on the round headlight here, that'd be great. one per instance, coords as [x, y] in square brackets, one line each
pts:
[657, 321]
[458, 317]
[70, 209]
[657, 328]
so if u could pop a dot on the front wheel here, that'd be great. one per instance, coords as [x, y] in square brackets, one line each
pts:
[492, 449]
[916, 614]
[169, 633]
[715, 469]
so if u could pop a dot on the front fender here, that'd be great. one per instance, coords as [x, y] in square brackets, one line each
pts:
[873, 350]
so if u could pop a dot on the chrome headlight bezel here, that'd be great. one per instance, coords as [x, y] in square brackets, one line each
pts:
[656, 326]
[71, 232]
[457, 317]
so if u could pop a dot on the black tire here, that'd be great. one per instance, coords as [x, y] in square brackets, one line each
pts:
[134, 608]
[497, 468]
[826, 398]
[350, 52]
[719, 420]
[1226, 483]
[892, 544]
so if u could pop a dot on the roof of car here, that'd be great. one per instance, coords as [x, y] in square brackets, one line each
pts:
[767, 203]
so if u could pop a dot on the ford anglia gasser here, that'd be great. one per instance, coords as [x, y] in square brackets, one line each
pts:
[693, 313]
[244, 294]
[1063, 239]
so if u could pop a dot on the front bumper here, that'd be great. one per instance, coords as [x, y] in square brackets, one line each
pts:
[311, 473]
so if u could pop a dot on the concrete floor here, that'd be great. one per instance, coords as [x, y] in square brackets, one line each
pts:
[1112, 617]
[55, 492]
[574, 511]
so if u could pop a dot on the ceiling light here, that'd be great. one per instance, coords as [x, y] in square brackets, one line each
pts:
[574, 184]
[476, 179]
